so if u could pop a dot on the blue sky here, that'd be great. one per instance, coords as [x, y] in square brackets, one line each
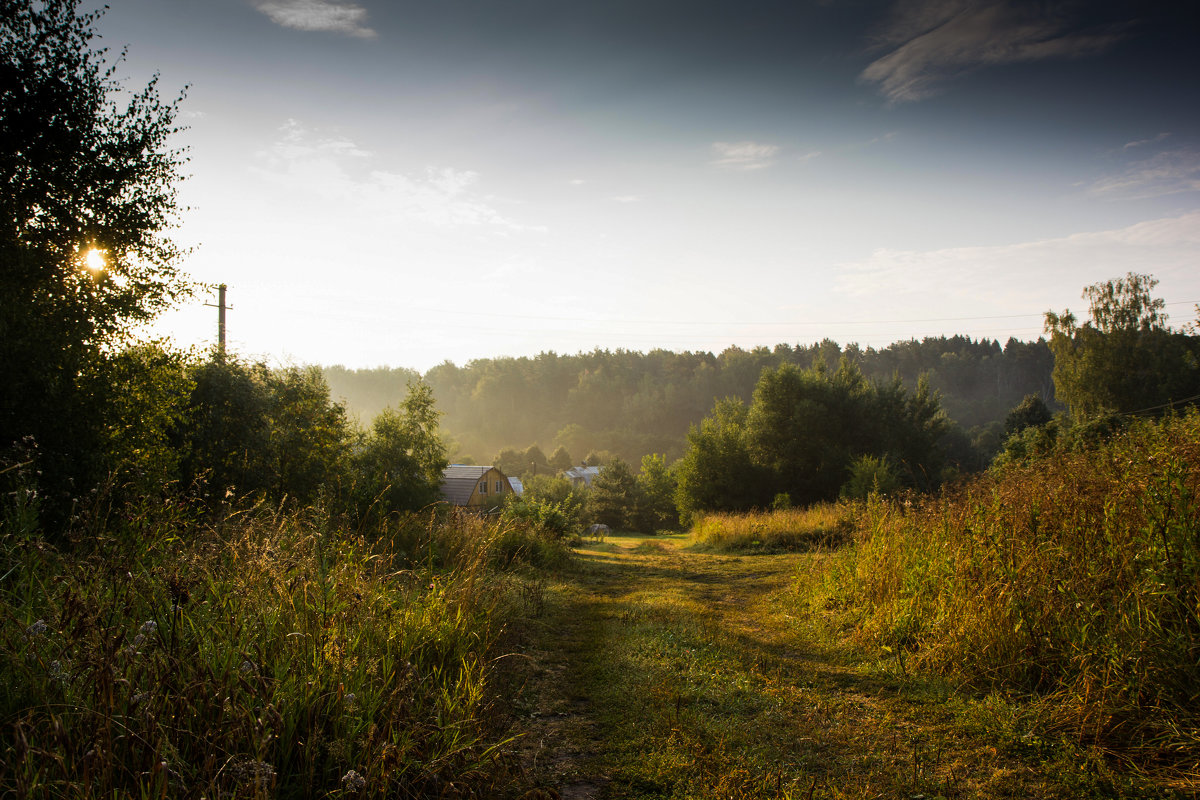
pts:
[393, 183]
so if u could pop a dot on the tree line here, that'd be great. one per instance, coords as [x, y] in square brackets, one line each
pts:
[629, 404]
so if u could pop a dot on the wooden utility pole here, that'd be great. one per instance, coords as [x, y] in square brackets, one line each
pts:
[221, 308]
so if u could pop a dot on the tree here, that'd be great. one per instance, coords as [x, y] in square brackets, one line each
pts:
[1031, 413]
[310, 436]
[85, 165]
[716, 472]
[1124, 358]
[560, 459]
[657, 487]
[225, 436]
[615, 499]
[399, 467]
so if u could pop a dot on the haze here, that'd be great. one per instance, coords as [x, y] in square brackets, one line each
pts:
[401, 184]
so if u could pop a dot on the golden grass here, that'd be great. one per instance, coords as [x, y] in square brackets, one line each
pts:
[790, 530]
[1075, 580]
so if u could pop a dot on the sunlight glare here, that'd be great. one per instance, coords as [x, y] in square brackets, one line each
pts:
[94, 260]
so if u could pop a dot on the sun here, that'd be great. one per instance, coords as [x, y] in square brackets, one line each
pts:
[94, 260]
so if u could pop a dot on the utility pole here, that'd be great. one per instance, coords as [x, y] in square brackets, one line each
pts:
[221, 308]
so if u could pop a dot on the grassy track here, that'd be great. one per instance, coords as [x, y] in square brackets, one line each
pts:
[657, 672]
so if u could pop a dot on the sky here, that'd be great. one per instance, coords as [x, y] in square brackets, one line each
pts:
[392, 183]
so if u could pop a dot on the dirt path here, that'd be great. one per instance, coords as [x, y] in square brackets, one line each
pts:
[659, 672]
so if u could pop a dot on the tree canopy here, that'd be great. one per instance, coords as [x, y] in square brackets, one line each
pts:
[86, 166]
[1124, 358]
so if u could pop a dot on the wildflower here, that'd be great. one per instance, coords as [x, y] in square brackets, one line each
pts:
[247, 667]
[138, 641]
[149, 627]
[57, 672]
[36, 629]
[353, 781]
[350, 698]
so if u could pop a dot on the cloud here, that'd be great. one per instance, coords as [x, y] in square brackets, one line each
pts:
[743, 155]
[317, 15]
[331, 178]
[1165, 172]
[934, 41]
[1002, 275]
[1143, 142]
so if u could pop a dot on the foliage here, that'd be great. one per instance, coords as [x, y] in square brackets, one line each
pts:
[148, 388]
[657, 486]
[1031, 413]
[269, 656]
[870, 475]
[801, 435]
[1124, 359]
[85, 165]
[560, 459]
[716, 472]
[310, 438]
[631, 403]
[561, 519]
[225, 440]
[399, 465]
[615, 499]
[1072, 578]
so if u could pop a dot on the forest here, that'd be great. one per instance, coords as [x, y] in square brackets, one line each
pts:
[630, 403]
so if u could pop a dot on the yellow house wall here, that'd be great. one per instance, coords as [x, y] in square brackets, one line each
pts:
[492, 497]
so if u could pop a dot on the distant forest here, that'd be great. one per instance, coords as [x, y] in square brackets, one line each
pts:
[627, 404]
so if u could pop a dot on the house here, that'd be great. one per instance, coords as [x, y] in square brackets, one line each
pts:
[472, 486]
[581, 476]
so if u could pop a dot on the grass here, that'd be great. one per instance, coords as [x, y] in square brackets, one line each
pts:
[790, 530]
[664, 669]
[267, 655]
[1071, 581]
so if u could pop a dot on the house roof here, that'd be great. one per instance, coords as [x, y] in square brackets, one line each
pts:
[585, 474]
[517, 487]
[459, 481]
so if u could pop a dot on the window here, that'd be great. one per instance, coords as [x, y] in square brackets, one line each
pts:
[483, 487]
[498, 489]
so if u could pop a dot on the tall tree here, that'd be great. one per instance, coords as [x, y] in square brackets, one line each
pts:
[1124, 358]
[85, 166]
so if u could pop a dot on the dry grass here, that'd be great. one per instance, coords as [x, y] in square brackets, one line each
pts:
[791, 530]
[1074, 580]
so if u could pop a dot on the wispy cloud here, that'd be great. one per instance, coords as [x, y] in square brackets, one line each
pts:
[743, 155]
[333, 174]
[933, 41]
[1163, 173]
[317, 15]
[1144, 142]
[1002, 274]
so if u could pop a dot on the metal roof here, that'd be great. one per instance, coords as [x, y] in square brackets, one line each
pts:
[460, 480]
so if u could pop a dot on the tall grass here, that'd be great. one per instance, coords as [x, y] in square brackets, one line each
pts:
[269, 655]
[1075, 579]
[793, 529]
